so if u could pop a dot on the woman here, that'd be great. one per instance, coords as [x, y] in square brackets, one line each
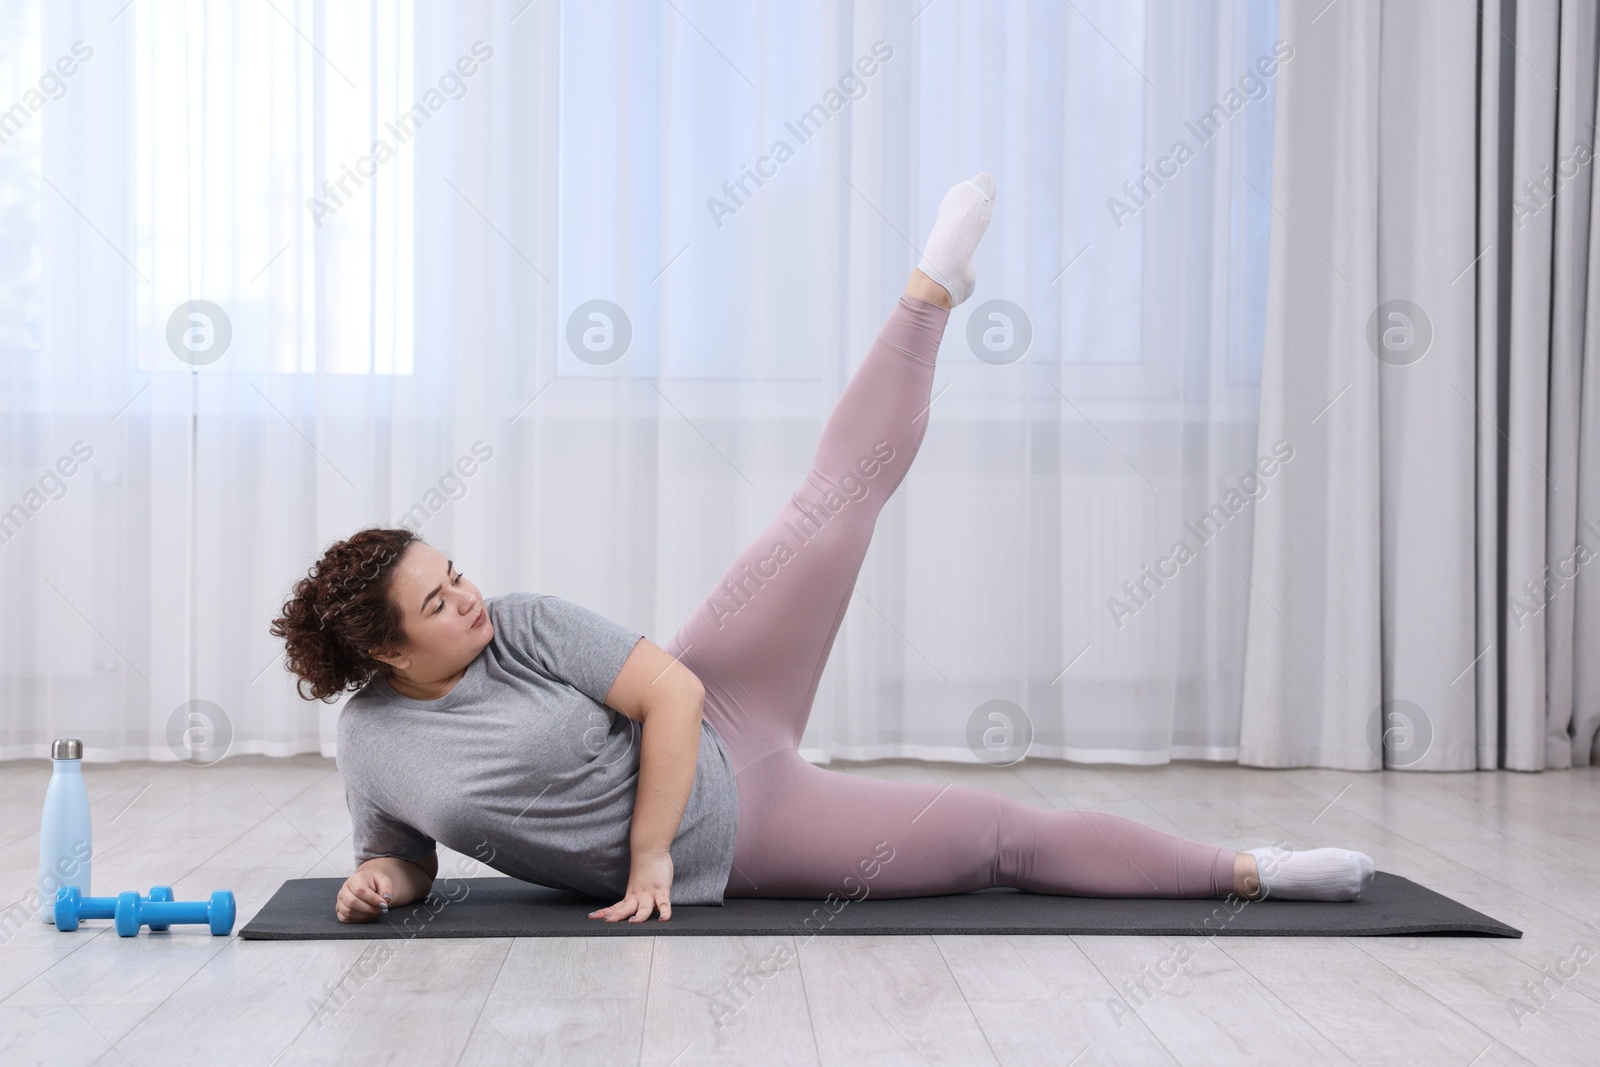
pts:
[560, 747]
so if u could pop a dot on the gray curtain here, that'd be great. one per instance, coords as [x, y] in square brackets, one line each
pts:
[1425, 582]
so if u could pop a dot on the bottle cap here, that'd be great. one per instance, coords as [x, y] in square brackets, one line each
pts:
[66, 748]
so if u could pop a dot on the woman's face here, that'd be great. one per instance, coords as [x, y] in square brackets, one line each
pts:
[446, 624]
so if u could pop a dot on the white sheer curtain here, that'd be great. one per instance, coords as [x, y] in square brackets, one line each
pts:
[393, 312]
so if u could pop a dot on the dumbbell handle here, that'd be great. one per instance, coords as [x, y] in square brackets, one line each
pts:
[173, 911]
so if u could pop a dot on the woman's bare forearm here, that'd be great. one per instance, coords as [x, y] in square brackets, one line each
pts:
[669, 751]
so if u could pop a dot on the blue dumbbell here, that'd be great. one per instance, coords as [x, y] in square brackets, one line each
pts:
[133, 912]
[72, 906]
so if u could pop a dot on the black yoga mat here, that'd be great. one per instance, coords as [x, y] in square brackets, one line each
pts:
[302, 909]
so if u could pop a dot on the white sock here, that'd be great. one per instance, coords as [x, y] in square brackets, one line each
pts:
[1314, 874]
[963, 216]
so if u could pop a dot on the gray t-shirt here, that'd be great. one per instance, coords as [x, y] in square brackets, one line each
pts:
[523, 767]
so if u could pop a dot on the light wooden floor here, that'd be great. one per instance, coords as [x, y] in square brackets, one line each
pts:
[1520, 847]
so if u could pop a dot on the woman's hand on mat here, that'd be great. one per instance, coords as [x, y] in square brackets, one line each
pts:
[364, 896]
[649, 881]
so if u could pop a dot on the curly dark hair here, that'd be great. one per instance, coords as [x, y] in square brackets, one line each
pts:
[340, 609]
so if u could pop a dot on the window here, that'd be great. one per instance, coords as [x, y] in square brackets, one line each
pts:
[273, 176]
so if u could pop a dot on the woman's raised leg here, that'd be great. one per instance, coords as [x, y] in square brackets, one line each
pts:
[760, 639]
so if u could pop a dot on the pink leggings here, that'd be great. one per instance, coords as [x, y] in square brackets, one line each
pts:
[759, 643]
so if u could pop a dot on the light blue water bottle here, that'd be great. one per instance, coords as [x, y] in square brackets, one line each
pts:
[65, 847]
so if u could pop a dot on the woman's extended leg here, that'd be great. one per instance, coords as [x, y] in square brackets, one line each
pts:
[806, 832]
